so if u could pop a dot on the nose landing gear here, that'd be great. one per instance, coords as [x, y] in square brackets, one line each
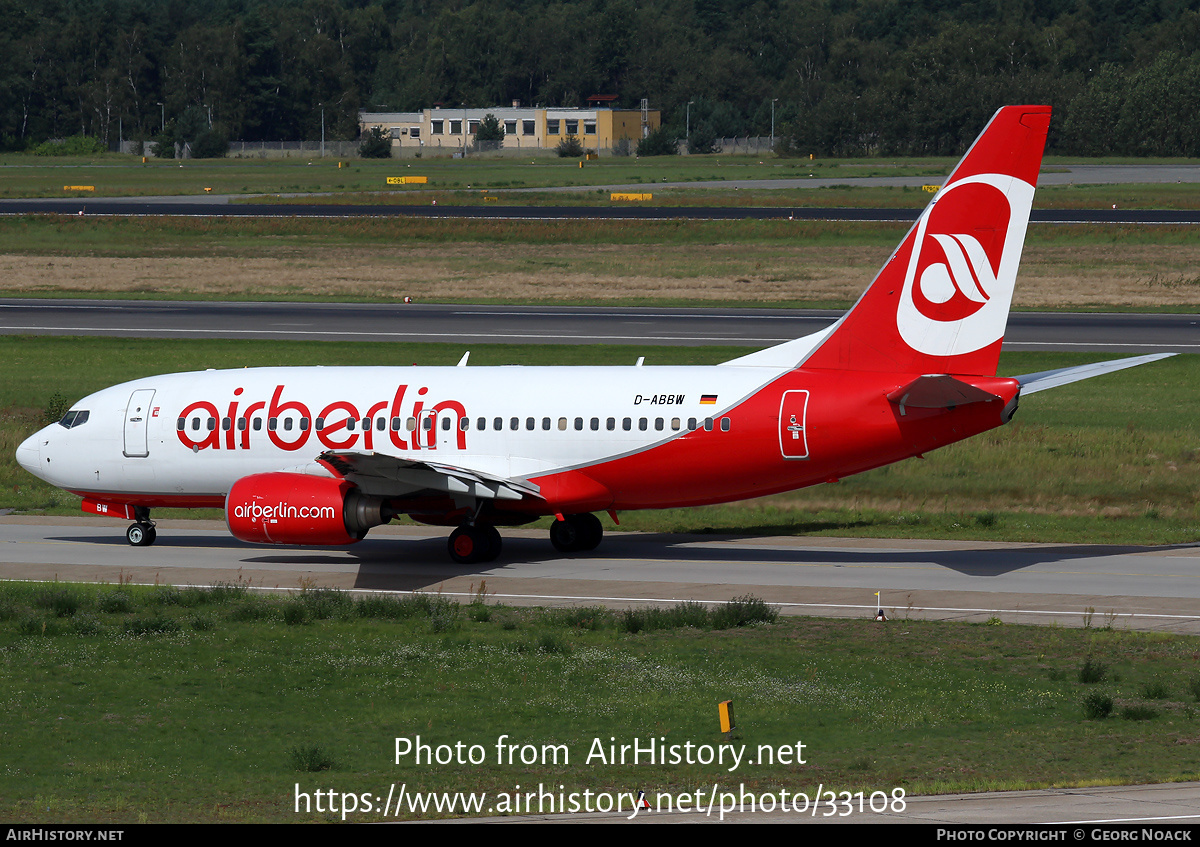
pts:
[141, 533]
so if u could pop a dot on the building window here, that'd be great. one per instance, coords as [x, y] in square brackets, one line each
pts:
[527, 128]
[572, 127]
[472, 126]
[552, 127]
[456, 127]
[397, 132]
[510, 127]
[414, 132]
[589, 127]
[435, 127]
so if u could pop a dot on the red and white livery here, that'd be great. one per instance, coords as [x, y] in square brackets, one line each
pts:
[318, 456]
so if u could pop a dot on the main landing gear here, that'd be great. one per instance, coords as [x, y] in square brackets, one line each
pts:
[473, 543]
[576, 533]
[141, 533]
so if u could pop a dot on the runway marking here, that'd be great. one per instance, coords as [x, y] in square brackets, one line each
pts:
[1094, 344]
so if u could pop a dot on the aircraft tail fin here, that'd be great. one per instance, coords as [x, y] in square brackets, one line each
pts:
[940, 304]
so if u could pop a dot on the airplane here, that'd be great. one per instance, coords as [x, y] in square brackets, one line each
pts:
[320, 455]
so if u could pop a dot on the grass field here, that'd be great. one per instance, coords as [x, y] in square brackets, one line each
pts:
[729, 263]
[116, 176]
[132, 704]
[1115, 459]
[513, 179]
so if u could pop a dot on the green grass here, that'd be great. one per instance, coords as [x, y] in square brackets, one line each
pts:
[464, 181]
[1110, 460]
[113, 175]
[216, 714]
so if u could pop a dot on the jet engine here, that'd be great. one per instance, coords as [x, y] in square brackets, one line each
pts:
[292, 508]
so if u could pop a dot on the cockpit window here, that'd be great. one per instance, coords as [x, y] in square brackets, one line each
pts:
[74, 418]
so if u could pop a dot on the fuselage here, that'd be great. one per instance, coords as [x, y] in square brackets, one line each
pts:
[589, 438]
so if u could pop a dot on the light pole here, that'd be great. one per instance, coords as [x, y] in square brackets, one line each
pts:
[688, 122]
[163, 126]
[773, 99]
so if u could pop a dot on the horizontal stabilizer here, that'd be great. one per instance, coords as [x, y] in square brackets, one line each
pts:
[1035, 382]
[938, 392]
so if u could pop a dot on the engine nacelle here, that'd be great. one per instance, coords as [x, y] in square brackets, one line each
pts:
[292, 508]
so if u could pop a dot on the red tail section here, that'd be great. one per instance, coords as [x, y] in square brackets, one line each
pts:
[940, 304]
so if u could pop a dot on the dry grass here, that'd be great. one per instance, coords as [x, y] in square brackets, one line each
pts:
[1052, 275]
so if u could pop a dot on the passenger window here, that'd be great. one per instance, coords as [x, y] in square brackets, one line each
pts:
[546, 424]
[692, 424]
[320, 423]
[287, 424]
[642, 424]
[530, 424]
[427, 423]
[611, 423]
[380, 424]
[226, 424]
[257, 424]
[273, 424]
[595, 424]
[446, 424]
[627, 424]
[179, 424]
[212, 424]
[514, 423]
[410, 424]
[675, 423]
[658, 424]
[396, 423]
[708, 424]
[579, 424]
[481, 424]
[304, 424]
[349, 425]
[724, 424]
[497, 424]
[242, 424]
[562, 424]
[464, 424]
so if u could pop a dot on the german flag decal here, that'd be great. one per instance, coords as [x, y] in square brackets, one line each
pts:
[708, 400]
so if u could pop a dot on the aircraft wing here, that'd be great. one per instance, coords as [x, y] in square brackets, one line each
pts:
[391, 476]
[1032, 383]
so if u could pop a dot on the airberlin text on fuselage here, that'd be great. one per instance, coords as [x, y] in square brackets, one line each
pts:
[337, 417]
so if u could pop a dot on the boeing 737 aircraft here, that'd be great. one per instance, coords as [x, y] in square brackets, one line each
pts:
[318, 456]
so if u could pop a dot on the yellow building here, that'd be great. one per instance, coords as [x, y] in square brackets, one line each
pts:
[454, 129]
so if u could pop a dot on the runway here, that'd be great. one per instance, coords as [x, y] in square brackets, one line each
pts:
[220, 206]
[1147, 588]
[471, 325]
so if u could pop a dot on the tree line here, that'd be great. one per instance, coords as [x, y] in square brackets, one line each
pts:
[840, 77]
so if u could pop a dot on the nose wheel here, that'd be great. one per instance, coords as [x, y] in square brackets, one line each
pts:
[141, 534]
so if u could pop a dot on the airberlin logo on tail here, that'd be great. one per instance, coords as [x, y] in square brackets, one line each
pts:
[960, 275]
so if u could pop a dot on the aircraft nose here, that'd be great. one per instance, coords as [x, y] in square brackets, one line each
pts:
[28, 455]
